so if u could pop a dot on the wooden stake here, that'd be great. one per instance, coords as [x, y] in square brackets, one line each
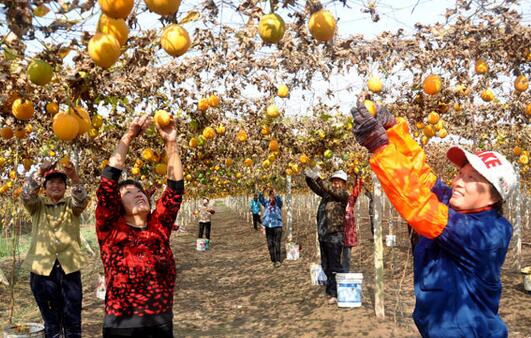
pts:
[16, 226]
[378, 251]
[517, 232]
[289, 216]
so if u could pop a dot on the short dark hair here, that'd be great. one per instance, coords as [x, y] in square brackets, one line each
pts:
[57, 175]
[131, 182]
[135, 183]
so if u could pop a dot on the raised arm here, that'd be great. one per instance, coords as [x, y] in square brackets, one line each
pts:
[408, 184]
[338, 196]
[139, 124]
[109, 201]
[169, 204]
[279, 201]
[79, 194]
[314, 186]
[169, 135]
[262, 200]
[32, 184]
[403, 172]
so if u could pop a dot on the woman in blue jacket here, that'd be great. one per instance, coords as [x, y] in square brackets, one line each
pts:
[272, 221]
[463, 235]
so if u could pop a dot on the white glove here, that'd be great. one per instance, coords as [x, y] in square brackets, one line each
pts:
[311, 174]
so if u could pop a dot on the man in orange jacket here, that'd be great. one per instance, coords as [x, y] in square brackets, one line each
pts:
[464, 236]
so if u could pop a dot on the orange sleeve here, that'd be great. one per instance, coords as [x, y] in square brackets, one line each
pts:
[399, 136]
[407, 180]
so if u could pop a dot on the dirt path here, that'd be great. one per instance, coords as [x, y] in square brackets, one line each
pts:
[233, 290]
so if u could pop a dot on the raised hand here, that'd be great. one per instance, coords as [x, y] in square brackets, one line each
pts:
[311, 173]
[368, 131]
[169, 135]
[45, 166]
[139, 125]
[71, 172]
[168, 132]
[383, 115]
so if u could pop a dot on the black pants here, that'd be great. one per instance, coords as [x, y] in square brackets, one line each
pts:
[161, 331]
[345, 259]
[322, 254]
[204, 227]
[256, 220]
[332, 265]
[274, 236]
[59, 298]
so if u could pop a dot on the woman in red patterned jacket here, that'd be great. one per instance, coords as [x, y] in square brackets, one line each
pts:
[135, 243]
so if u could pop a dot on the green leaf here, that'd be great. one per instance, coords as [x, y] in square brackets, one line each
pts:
[10, 54]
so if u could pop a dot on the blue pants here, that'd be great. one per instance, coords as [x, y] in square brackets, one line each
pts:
[59, 299]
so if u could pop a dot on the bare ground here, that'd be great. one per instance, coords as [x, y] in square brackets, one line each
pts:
[232, 290]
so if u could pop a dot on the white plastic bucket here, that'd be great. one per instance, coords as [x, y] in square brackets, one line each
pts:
[201, 244]
[390, 240]
[526, 271]
[25, 330]
[527, 282]
[349, 289]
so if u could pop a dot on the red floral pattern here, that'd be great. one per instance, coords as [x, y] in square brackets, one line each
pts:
[139, 265]
[349, 228]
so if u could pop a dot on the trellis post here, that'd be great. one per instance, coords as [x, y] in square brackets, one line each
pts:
[289, 205]
[517, 199]
[378, 251]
